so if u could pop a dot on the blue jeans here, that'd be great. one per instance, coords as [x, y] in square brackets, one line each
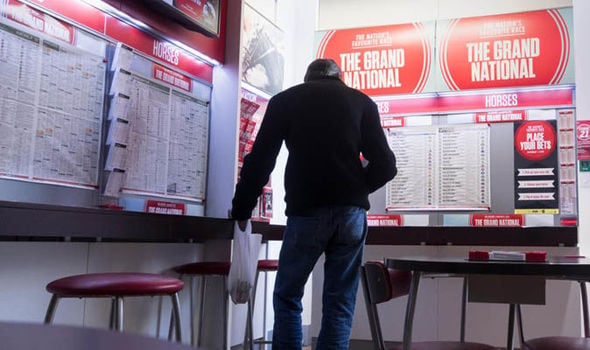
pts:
[339, 232]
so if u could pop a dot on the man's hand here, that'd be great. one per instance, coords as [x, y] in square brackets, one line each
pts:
[242, 224]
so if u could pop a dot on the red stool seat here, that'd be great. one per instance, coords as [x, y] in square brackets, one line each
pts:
[268, 265]
[204, 269]
[117, 286]
[114, 284]
[450, 345]
[557, 342]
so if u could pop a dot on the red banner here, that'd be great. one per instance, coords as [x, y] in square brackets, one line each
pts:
[384, 220]
[500, 117]
[583, 136]
[393, 122]
[553, 97]
[496, 220]
[161, 207]
[382, 60]
[157, 49]
[40, 21]
[173, 78]
[518, 49]
[78, 11]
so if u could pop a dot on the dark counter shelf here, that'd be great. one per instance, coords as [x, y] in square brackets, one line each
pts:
[473, 236]
[42, 222]
[48, 222]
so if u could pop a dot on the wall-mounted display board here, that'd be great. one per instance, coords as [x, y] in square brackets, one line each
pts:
[52, 92]
[77, 133]
[504, 161]
[465, 103]
[158, 131]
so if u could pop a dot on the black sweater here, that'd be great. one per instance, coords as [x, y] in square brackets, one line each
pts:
[326, 126]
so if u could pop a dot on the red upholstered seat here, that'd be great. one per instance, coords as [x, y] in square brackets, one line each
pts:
[557, 343]
[117, 286]
[268, 265]
[448, 345]
[204, 269]
[560, 342]
[114, 284]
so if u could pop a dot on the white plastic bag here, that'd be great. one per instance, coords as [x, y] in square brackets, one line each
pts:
[242, 273]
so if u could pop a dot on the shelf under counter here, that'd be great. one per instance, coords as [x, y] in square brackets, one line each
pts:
[28, 221]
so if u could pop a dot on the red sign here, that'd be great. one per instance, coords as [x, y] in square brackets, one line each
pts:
[40, 21]
[500, 117]
[535, 140]
[583, 136]
[161, 207]
[78, 11]
[392, 122]
[479, 101]
[496, 220]
[384, 220]
[173, 78]
[382, 60]
[160, 50]
[518, 49]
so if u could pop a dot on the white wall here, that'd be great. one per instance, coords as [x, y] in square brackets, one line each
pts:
[338, 14]
[27, 267]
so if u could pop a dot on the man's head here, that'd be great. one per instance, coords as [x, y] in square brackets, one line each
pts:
[322, 68]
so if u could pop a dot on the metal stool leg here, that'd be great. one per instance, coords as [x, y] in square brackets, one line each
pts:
[510, 338]
[172, 325]
[176, 312]
[584, 296]
[249, 333]
[159, 317]
[520, 326]
[119, 313]
[51, 309]
[201, 310]
[113, 313]
[463, 309]
[192, 309]
[226, 312]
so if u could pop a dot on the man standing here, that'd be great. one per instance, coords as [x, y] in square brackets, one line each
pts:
[326, 126]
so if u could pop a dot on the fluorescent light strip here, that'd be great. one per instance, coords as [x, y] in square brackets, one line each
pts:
[105, 7]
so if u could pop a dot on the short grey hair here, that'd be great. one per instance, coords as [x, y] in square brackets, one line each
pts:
[322, 68]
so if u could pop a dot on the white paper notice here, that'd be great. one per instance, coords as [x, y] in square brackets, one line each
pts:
[165, 131]
[187, 162]
[415, 184]
[440, 168]
[52, 104]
